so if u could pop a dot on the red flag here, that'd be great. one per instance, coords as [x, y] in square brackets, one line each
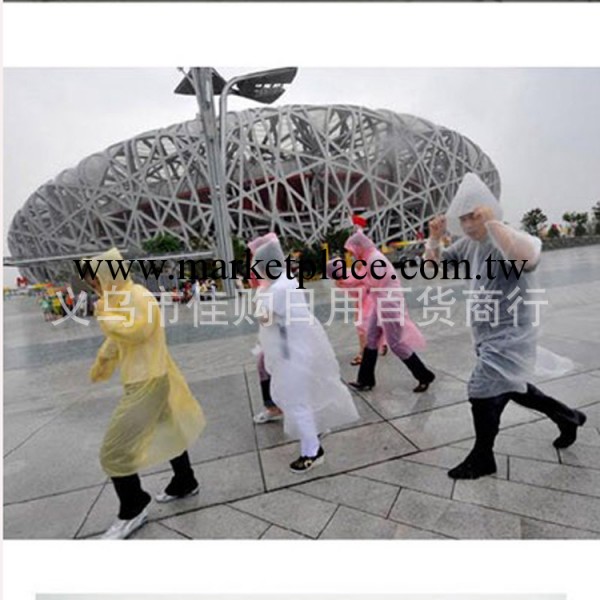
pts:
[359, 221]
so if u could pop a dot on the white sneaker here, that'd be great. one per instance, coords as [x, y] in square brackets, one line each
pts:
[266, 416]
[121, 529]
[163, 497]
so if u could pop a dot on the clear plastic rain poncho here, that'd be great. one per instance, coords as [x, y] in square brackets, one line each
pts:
[501, 306]
[305, 374]
[157, 418]
[389, 316]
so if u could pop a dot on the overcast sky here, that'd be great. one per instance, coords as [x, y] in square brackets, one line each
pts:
[541, 127]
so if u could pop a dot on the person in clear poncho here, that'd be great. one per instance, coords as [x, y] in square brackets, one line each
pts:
[389, 316]
[305, 374]
[506, 346]
[271, 412]
[157, 418]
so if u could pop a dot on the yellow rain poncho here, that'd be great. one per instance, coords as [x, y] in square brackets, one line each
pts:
[157, 418]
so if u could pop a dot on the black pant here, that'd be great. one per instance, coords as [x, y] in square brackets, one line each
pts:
[133, 499]
[265, 388]
[487, 413]
[556, 411]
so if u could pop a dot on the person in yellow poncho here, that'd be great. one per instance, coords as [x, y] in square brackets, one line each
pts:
[157, 418]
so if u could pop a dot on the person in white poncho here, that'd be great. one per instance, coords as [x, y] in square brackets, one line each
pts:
[501, 261]
[305, 374]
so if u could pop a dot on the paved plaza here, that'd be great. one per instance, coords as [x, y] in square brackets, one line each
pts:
[384, 477]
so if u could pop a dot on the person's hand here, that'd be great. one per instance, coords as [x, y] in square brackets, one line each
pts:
[483, 214]
[437, 227]
[102, 369]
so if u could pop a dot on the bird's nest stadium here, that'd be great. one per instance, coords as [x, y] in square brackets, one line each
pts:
[297, 170]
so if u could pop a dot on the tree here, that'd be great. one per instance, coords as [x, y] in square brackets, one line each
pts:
[239, 248]
[163, 243]
[596, 213]
[336, 238]
[533, 220]
[577, 220]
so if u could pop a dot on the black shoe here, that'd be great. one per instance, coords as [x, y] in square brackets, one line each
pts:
[365, 379]
[423, 386]
[361, 387]
[568, 432]
[420, 372]
[306, 463]
[474, 467]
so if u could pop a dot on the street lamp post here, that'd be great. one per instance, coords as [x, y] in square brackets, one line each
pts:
[205, 83]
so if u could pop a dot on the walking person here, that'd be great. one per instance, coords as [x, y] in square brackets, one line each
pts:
[157, 418]
[506, 349]
[402, 336]
[305, 374]
[271, 413]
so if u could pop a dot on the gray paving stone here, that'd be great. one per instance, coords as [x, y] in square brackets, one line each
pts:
[410, 475]
[560, 508]
[218, 522]
[290, 510]
[56, 517]
[584, 353]
[557, 477]
[448, 457]
[278, 533]
[582, 456]
[349, 524]
[226, 408]
[452, 518]
[27, 472]
[574, 324]
[538, 530]
[592, 412]
[344, 451]
[157, 531]
[393, 396]
[369, 496]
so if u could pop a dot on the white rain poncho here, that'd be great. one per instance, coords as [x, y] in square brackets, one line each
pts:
[471, 193]
[506, 339]
[305, 374]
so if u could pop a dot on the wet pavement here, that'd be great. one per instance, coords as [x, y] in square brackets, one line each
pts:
[384, 477]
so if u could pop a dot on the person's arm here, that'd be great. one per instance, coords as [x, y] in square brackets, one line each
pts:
[433, 245]
[135, 322]
[106, 361]
[515, 245]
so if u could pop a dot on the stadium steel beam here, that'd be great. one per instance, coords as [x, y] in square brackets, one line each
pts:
[296, 170]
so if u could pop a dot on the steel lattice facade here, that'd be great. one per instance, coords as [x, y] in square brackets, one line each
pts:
[296, 170]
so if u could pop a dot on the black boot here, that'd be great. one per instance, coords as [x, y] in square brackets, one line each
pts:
[420, 372]
[366, 372]
[184, 482]
[265, 388]
[486, 418]
[132, 498]
[566, 419]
